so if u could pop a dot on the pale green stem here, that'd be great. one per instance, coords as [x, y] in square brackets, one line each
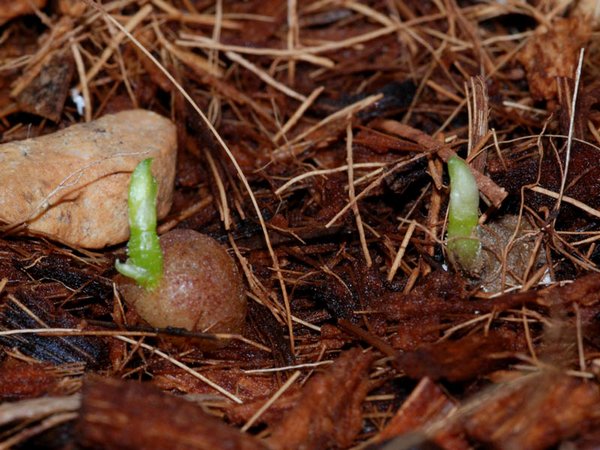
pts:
[145, 260]
[463, 243]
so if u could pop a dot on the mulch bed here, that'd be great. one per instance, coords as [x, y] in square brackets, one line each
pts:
[323, 171]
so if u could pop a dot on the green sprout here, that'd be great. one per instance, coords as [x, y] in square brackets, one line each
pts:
[463, 243]
[145, 259]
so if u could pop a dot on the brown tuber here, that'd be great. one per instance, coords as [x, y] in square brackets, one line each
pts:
[200, 289]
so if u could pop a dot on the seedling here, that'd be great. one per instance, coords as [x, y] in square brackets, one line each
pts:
[145, 259]
[463, 244]
[185, 280]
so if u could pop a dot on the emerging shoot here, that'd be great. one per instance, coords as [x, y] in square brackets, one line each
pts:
[145, 259]
[463, 243]
[186, 280]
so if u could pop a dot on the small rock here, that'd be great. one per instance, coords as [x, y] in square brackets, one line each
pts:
[495, 237]
[10, 9]
[72, 185]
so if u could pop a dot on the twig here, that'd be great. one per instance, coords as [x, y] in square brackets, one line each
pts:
[182, 366]
[563, 182]
[264, 76]
[352, 196]
[271, 400]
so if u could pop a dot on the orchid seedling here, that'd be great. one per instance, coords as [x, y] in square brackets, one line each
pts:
[145, 259]
[463, 244]
[184, 280]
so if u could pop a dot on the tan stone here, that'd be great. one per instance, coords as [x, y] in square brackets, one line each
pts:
[72, 185]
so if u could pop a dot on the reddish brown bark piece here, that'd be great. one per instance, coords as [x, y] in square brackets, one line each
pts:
[11, 8]
[585, 291]
[240, 414]
[328, 413]
[19, 380]
[247, 387]
[553, 53]
[537, 413]
[439, 292]
[486, 185]
[461, 360]
[46, 94]
[426, 403]
[130, 415]
[420, 313]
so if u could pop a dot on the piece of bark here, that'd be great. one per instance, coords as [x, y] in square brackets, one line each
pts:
[438, 292]
[463, 359]
[72, 185]
[537, 412]
[426, 404]
[46, 94]
[440, 296]
[247, 387]
[553, 53]
[328, 413]
[10, 9]
[240, 414]
[32, 309]
[131, 415]
[486, 185]
[19, 380]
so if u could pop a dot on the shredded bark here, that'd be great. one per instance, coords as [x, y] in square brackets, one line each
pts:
[312, 143]
[111, 418]
[328, 412]
[534, 414]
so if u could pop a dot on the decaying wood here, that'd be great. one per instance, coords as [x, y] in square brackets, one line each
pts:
[536, 414]
[552, 53]
[328, 412]
[455, 361]
[129, 415]
[426, 403]
[47, 93]
[490, 189]
[10, 9]
[19, 380]
[31, 310]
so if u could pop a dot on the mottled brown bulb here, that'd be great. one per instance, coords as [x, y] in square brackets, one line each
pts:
[201, 288]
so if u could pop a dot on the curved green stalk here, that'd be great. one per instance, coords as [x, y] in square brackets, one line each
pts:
[145, 260]
[463, 244]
